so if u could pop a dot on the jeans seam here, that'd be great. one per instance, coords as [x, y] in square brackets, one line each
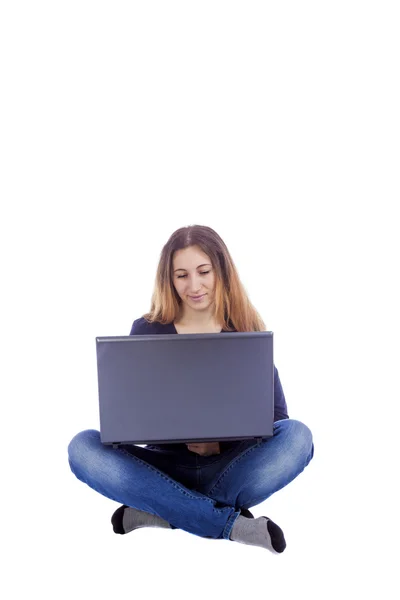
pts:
[174, 458]
[170, 480]
[229, 525]
[231, 465]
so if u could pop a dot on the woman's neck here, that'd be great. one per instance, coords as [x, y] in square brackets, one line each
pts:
[197, 323]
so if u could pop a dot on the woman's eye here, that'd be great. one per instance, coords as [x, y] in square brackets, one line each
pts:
[201, 273]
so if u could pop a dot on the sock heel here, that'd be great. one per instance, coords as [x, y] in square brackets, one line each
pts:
[116, 519]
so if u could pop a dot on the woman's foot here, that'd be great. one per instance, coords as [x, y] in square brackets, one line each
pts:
[126, 519]
[259, 532]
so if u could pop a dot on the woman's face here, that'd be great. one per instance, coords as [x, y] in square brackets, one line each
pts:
[193, 275]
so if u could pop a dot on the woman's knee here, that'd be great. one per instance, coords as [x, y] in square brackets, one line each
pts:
[300, 435]
[82, 443]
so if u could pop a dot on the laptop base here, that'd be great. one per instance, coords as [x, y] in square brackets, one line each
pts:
[117, 444]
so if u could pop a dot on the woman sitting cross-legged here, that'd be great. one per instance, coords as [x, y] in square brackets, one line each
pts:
[205, 489]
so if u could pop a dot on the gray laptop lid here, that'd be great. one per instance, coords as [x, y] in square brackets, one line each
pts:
[184, 388]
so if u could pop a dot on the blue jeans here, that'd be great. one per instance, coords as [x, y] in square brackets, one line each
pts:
[202, 495]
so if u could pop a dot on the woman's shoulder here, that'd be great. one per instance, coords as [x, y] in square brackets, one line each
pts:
[142, 327]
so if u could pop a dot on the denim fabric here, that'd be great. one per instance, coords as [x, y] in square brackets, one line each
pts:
[202, 495]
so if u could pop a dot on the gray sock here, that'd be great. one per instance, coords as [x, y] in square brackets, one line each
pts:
[259, 532]
[126, 519]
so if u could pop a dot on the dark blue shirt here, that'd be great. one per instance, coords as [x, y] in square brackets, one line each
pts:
[142, 327]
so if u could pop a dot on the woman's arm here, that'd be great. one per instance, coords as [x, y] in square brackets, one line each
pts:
[205, 449]
[280, 407]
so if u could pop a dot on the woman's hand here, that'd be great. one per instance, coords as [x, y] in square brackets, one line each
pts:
[204, 449]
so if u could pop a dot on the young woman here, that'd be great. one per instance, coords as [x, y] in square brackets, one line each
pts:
[205, 489]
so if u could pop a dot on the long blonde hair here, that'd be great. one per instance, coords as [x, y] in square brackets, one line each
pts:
[232, 305]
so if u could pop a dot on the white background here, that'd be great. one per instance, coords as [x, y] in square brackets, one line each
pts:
[277, 124]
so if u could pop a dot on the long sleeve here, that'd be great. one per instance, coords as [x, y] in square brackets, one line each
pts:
[280, 407]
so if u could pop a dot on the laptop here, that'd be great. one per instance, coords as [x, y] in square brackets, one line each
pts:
[196, 387]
